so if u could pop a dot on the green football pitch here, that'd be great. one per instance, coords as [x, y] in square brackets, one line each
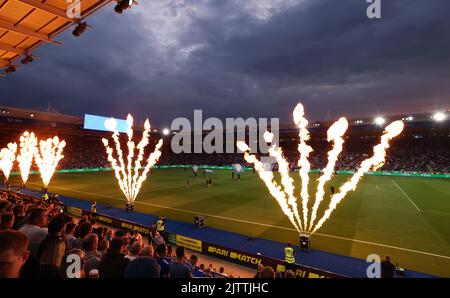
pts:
[406, 218]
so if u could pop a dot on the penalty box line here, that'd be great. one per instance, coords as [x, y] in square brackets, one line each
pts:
[406, 195]
[258, 223]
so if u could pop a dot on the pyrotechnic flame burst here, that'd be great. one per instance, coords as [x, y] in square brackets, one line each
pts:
[285, 195]
[7, 158]
[48, 157]
[335, 134]
[129, 179]
[28, 148]
[374, 163]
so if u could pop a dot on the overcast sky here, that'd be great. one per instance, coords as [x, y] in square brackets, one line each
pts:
[252, 58]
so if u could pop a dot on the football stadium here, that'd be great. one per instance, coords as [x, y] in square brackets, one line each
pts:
[360, 193]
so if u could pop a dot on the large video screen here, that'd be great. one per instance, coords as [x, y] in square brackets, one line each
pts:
[104, 124]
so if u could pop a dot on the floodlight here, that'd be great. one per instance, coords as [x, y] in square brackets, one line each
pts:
[379, 121]
[439, 116]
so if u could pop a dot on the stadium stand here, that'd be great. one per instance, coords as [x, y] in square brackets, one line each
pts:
[85, 150]
[52, 236]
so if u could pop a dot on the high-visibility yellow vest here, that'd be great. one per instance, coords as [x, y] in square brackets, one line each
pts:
[94, 208]
[289, 255]
[160, 226]
[45, 197]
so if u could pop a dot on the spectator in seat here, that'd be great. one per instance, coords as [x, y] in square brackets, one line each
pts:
[19, 215]
[258, 273]
[152, 233]
[93, 274]
[103, 246]
[93, 222]
[135, 251]
[114, 263]
[267, 272]
[158, 240]
[192, 263]
[13, 253]
[196, 271]
[7, 221]
[99, 231]
[92, 256]
[70, 231]
[387, 268]
[84, 229]
[163, 260]
[222, 272]
[53, 247]
[208, 272]
[5, 206]
[138, 238]
[178, 268]
[109, 235]
[119, 234]
[169, 253]
[68, 266]
[143, 267]
[147, 251]
[82, 220]
[34, 229]
[202, 272]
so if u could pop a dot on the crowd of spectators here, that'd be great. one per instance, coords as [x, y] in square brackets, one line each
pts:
[39, 240]
[408, 153]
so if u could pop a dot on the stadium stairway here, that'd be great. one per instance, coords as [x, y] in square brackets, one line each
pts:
[342, 265]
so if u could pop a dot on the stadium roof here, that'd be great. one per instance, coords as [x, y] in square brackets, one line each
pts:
[49, 115]
[27, 24]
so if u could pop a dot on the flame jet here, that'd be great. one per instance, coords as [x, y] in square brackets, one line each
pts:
[267, 177]
[285, 195]
[374, 163]
[335, 134]
[130, 180]
[28, 148]
[7, 158]
[286, 180]
[48, 156]
[304, 150]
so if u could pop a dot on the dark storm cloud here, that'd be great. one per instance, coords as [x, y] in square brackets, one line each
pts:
[257, 59]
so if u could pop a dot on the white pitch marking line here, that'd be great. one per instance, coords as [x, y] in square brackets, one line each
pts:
[262, 224]
[405, 194]
[378, 187]
[435, 212]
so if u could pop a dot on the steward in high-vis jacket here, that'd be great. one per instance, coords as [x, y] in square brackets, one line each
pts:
[289, 256]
